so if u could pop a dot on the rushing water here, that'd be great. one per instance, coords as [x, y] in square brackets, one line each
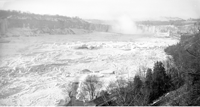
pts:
[38, 73]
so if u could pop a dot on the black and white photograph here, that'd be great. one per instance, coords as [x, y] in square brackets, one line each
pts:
[99, 53]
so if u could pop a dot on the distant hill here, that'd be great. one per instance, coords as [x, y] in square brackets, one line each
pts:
[96, 21]
[46, 23]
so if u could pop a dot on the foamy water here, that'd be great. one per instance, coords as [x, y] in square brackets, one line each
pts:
[40, 73]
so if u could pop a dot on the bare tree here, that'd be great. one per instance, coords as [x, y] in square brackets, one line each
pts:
[89, 88]
[128, 93]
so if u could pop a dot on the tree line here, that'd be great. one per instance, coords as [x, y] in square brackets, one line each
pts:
[29, 20]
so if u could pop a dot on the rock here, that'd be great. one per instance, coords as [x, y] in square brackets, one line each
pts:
[85, 71]
[107, 72]
[67, 75]
[96, 71]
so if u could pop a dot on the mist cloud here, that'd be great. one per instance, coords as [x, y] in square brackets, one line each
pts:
[124, 24]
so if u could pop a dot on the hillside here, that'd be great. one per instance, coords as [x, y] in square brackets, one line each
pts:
[186, 55]
[45, 24]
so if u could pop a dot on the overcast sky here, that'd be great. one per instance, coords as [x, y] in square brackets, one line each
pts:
[107, 9]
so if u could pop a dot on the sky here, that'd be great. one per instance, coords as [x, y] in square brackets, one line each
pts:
[108, 9]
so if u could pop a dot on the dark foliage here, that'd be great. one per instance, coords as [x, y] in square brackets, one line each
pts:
[158, 82]
[176, 79]
[148, 85]
[139, 93]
